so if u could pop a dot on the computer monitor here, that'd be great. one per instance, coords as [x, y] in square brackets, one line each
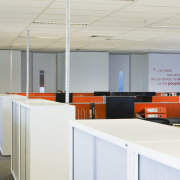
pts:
[119, 107]
[133, 93]
[143, 99]
[60, 97]
[101, 93]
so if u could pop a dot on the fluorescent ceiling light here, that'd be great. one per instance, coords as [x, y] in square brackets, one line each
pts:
[59, 23]
[40, 37]
[165, 49]
[124, 0]
[176, 27]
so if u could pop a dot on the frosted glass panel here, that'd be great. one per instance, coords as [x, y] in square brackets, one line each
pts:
[83, 155]
[111, 161]
[153, 170]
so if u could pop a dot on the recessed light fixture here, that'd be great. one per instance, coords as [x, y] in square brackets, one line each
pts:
[59, 23]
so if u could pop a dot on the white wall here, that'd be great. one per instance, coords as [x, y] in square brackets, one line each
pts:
[164, 72]
[89, 71]
[5, 71]
[60, 71]
[46, 62]
[139, 73]
[16, 71]
[118, 63]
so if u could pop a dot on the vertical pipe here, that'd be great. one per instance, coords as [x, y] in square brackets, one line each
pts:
[67, 50]
[27, 70]
[10, 89]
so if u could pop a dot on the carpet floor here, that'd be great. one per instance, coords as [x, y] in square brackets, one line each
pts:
[5, 168]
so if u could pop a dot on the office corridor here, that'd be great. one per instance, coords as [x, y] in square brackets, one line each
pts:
[5, 168]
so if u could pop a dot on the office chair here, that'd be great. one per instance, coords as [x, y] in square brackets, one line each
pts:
[158, 120]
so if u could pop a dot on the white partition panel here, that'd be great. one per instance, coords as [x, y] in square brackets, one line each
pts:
[83, 156]
[153, 170]
[111, 161]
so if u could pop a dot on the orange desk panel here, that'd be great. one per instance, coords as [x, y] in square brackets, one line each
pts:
[100, 111]
[88, 99]
[83, 94]
[82, 111]
[165, 99]
[41, 97]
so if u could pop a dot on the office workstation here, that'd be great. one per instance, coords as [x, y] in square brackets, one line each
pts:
[89, 90]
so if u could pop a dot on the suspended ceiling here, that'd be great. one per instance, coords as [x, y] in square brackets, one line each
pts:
[97, 25]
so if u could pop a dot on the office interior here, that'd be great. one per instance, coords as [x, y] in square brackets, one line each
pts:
[123, 115]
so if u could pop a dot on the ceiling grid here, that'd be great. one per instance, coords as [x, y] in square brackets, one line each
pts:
[97, 25]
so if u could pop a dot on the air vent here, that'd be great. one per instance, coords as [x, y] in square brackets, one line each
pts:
[59, 23]
[100, 36]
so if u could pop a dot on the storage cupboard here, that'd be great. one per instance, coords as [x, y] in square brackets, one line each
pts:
[124, 149]
[40, 140]
[6, 122]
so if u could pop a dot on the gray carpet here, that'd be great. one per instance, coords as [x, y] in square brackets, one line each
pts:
[5, 168]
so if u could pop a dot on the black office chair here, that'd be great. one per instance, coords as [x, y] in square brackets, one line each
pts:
[158, 120]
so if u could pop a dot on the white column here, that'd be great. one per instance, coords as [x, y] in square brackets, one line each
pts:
[67, 82]
[27, 56]
[10, 89]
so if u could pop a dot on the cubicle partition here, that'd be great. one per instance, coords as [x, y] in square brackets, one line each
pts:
[174, 99]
